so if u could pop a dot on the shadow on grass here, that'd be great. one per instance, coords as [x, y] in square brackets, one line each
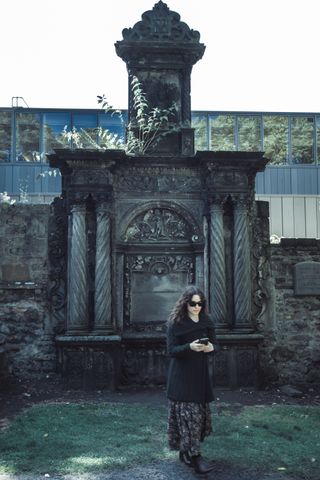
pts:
[75, 438]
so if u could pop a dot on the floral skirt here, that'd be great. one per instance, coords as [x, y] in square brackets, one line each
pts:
[188, 424]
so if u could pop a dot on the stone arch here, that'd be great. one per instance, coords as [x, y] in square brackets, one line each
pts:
[161, 222]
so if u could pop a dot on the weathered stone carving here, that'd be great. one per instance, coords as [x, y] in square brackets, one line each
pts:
[262, 266]
[161, 182]
[217, 262]
[144, 366]
[78, 283]
[227, 179]
[159, 225]
[103, 290]
[133, 182]
[57, 253]
[242, 263]
[160, 264]
[85, 177]
[161, 25]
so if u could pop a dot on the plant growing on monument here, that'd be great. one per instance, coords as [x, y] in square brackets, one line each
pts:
[105, 140]
[149, 125]
[147, 128]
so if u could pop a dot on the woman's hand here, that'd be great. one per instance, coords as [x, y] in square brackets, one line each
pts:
[197, 347]
[208, 348]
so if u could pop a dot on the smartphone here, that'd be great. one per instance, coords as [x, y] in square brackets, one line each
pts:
[204, 341]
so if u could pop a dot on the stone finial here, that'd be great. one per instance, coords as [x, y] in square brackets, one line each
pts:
[160, 52]
[161, 25]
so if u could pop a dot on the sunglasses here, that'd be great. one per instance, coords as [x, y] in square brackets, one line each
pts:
[194, 304]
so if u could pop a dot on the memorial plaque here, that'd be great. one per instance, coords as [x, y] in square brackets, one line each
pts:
[307, 278]
[153, 296]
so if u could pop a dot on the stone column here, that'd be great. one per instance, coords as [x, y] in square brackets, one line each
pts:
[77, 321]
[103, 290]
[218, 305]
[241, 263]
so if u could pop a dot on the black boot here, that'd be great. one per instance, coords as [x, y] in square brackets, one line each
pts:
[185, 458]
[200, 465]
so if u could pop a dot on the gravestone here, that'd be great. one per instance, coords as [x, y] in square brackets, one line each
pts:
[307, 278]
[131, 231]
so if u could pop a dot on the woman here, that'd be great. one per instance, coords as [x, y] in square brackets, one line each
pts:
[189, 387]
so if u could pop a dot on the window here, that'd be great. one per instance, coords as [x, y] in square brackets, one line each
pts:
[249, 133]
[199, 123]
[275, 138]
[54, 124]
[5, 136]
[222, 132]
[28, 137]
[302, 140]
[113, 122]
[86, 125]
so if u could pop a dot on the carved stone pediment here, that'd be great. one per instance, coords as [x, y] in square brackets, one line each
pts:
[160, 225]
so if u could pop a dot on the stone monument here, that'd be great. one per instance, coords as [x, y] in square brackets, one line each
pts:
[131, 231]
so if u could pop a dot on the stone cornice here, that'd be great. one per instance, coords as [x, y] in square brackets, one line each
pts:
[253, 161]
[67, 158]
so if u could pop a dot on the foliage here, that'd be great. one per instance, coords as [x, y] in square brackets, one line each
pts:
[100, 139]
[249, 133]
[222, 132]
[302, 139]
[5, 198]
[148, 126]
[275, 141]
[84, 438]
[199, 123]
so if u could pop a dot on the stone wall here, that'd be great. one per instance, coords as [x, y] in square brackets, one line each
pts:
[290, 324]
[290, 353]
[26, 334]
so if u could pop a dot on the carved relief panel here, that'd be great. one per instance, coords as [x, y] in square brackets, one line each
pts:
[160, 225]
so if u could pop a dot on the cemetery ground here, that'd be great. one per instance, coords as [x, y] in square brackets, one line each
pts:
[47, 431]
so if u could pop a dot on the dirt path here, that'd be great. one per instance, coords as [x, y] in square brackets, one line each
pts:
[168, 470]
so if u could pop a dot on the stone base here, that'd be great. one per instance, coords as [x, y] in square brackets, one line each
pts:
[89, 362]
[140, 359]
[237, 364]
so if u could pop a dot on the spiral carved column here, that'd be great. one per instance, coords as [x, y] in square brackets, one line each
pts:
[242, 264]
[103, 290]
[217, 264]
[77, 278]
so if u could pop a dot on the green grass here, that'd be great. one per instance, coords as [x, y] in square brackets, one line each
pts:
[74, 438]
[273, 438]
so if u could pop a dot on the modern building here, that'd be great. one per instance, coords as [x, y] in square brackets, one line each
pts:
[291, 182]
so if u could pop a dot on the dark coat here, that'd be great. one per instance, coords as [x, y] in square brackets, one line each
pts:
[188, 374]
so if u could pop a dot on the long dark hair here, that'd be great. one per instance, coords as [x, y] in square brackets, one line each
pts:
[180, 310]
